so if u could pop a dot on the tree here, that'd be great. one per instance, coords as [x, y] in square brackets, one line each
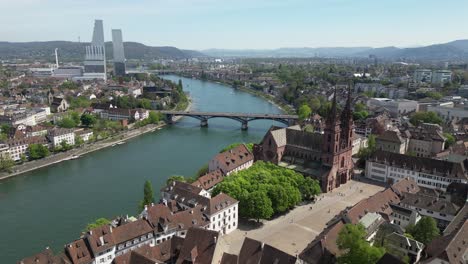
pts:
[6, 163]
[154, 118]
[78, 141]
[315, 104]
[67, 122]
[145, 103]
[76, 117]
[284, 188]
[64, 146]
[449, 140]
[425, 117]
[351, 239]
[88, 120]
[175, 178]
[425, 230]
[258, 206]
[37, 151]
[304, 112]
[148, 195]
[97, 223]
[309, 188]
[233, 145]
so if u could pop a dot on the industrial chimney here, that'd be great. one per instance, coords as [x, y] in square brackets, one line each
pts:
[56, 58]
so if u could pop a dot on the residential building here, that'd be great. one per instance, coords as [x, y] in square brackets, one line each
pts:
[442, 210]
[59, 135]
[233, 160]
[371, 223]
[449, 113]
[19, 147]
[433, 174]
[403, 216]
[359, 142]
[221, 210]
[392, 141]
[405, 245]
[422, 75]
[450, 248]
[441, 77]
[121, 114]
[426, 140]
[395, 107]
[325, 157]
[84, 134]
[209, 180]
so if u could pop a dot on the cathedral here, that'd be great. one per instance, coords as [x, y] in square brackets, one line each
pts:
[323, 156]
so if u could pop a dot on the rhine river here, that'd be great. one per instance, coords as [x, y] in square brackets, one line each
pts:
[50, 206]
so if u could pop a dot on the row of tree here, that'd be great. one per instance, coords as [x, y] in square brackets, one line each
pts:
[266, 189]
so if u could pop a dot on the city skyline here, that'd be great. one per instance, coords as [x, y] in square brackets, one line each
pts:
[205, 24]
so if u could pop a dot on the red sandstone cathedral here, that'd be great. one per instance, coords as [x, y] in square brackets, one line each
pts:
[325, 157]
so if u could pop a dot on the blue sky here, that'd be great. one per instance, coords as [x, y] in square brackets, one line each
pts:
[239, 24]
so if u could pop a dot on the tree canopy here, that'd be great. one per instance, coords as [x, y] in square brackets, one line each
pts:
[99, 222]
[233, 145]
[38, 151]
[425, 117]
[351, 239]
[304, 112]
[148, 195]
[266, 189]
[88, 120]
[425, 230]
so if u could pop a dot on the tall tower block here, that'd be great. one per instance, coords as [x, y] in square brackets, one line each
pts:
[119, 55]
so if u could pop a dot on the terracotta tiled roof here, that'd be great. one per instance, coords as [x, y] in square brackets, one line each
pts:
[27, 141]
[161, 253]
[451, 248]
[198, 247]
[405, 185]
[192, 199]
[429, 203]
[391, 136]
[100, 239]
[78, 252]
[377, 203]
[44, 257]
[161, 217]
[256, 252]
[231, 159]
[131, 230]
[209, 180]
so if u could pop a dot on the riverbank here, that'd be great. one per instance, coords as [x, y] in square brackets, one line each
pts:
[87, 148]
[271, 99]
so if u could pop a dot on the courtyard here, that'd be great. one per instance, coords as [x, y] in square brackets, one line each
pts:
[293, 231]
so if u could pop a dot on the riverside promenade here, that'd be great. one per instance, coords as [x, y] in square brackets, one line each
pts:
[85, 149]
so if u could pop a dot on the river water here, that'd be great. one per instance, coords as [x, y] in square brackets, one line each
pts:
[50, 206]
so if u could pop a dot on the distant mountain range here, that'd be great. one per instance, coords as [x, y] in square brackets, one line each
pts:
[75, 51]
[455, 50]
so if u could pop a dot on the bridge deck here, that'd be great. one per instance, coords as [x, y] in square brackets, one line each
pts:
[223, 114]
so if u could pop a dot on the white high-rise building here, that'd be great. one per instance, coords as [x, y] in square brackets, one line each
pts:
[119, 55]
[95, 61]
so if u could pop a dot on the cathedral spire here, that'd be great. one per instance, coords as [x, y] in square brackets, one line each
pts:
[332, 114]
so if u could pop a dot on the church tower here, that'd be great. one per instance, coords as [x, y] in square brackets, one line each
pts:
[337, 145]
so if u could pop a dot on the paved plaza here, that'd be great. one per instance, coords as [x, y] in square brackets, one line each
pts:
[293, 231]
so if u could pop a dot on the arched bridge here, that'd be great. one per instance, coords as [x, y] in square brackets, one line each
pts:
[243, 118]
